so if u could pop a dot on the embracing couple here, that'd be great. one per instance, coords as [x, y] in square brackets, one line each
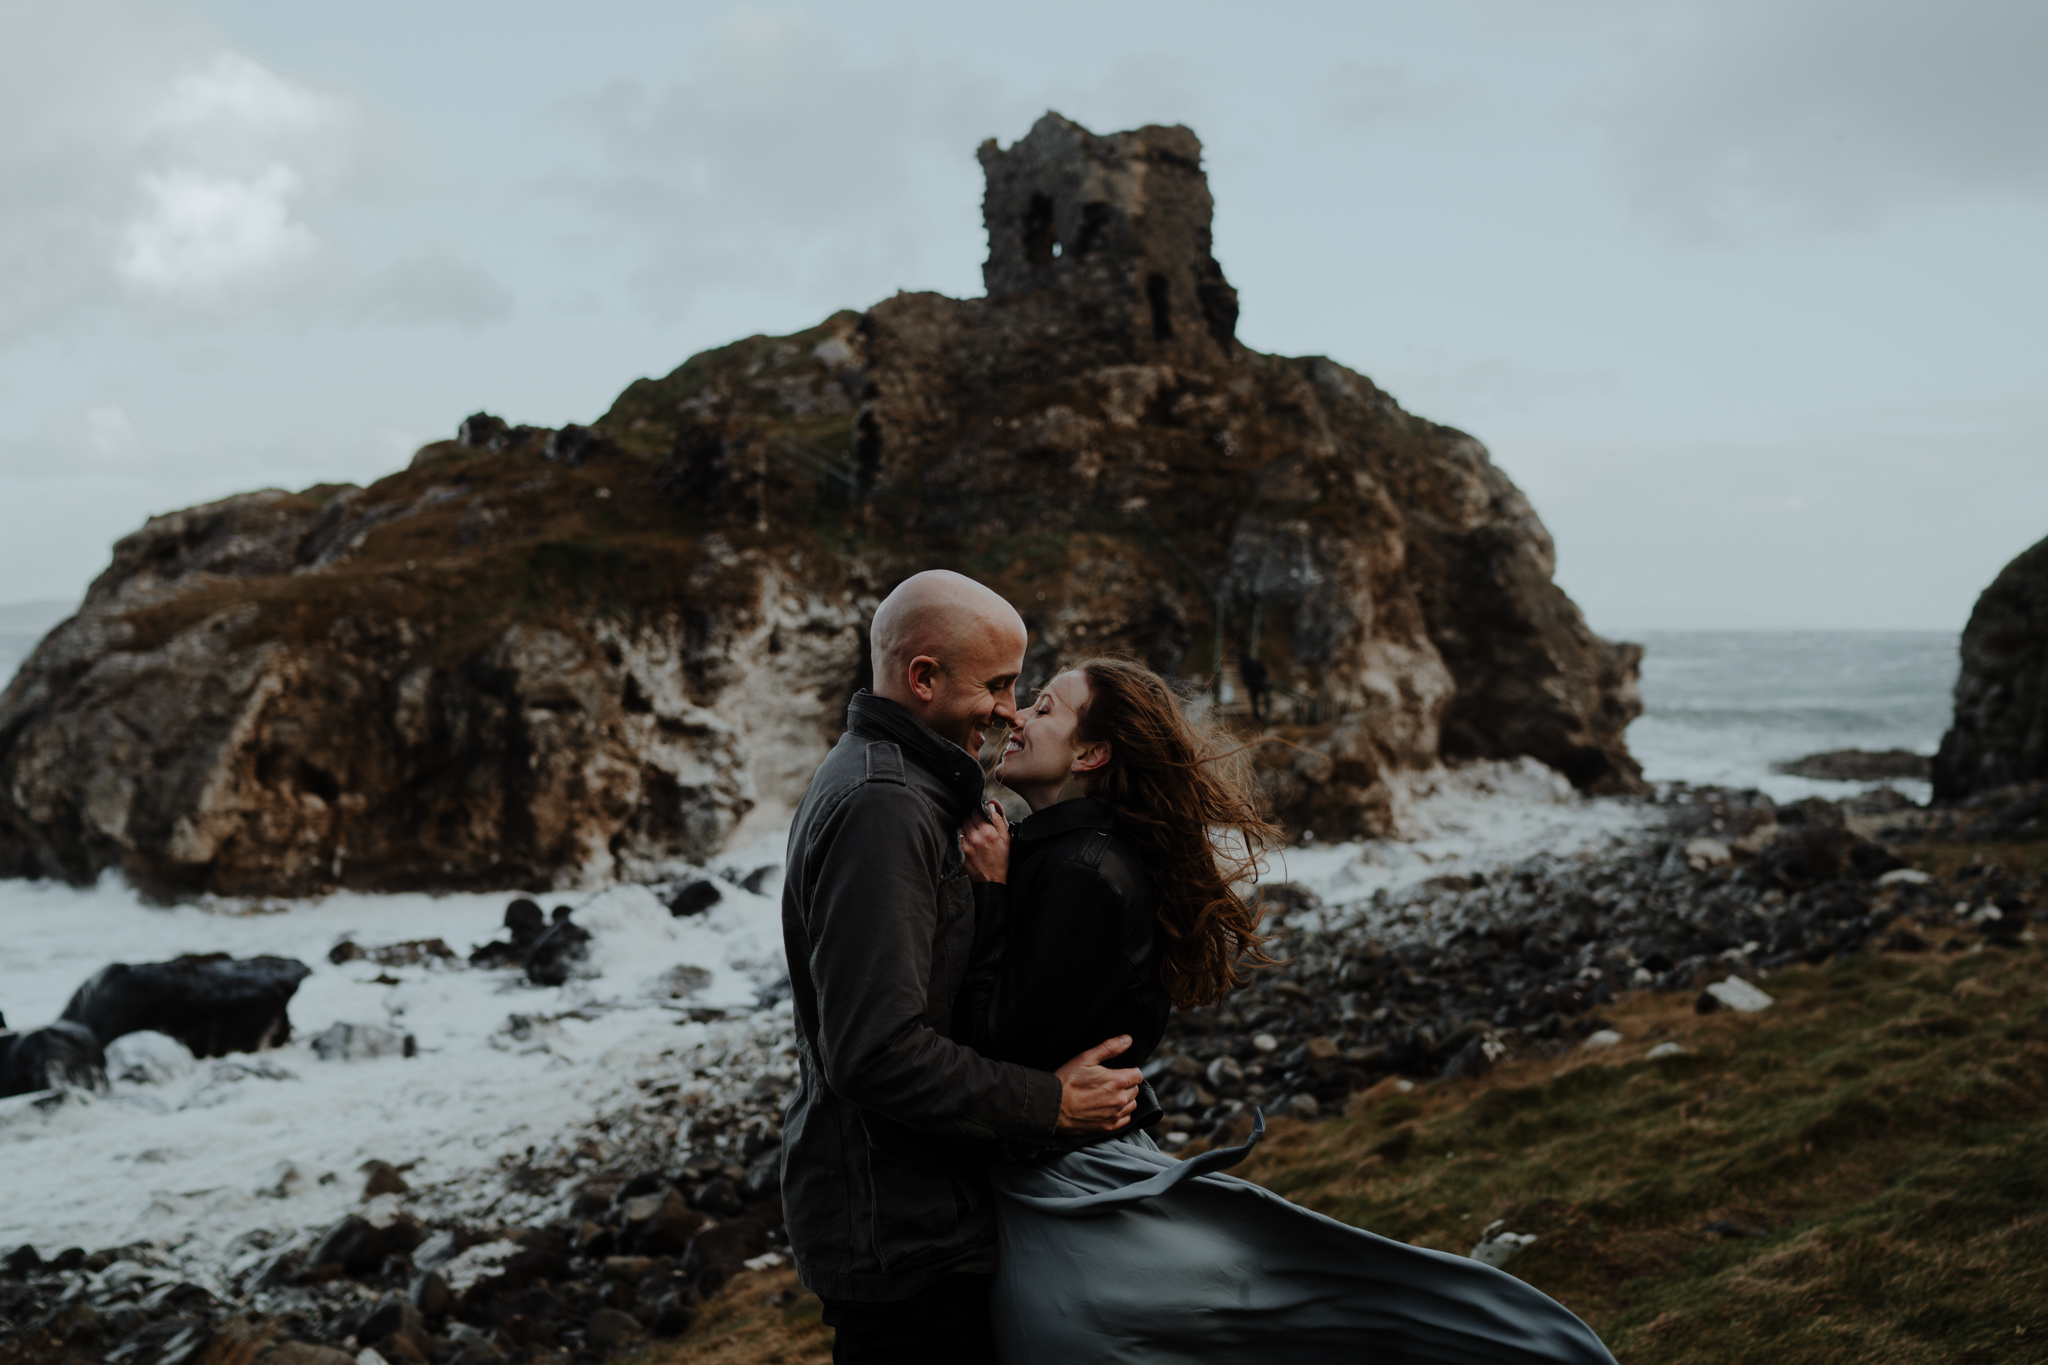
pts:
[967, 1175]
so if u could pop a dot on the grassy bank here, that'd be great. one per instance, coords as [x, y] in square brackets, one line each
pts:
[1871, 1152]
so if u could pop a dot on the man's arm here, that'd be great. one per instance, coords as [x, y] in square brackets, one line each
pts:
[871, 927]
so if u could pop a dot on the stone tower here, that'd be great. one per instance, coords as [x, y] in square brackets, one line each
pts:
[1117, 227]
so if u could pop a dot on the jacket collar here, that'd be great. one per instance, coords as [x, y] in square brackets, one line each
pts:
[1067, 816]
[873, 717]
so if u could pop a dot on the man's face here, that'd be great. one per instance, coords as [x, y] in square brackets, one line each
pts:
[977, 687]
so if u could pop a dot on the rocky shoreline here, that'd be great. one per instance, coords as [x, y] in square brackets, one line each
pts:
[611, 1238]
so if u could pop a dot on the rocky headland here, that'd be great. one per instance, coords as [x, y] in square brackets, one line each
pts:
[1996, 752]
[547, 657]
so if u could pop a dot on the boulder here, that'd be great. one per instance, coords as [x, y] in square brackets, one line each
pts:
[1999, 736]
[1859, 765]
[346, 1042]
[64, 1055]
[610, 1329]
[1734, 993]
[693, 897]
[213, 1003]
[717, 1195]
[659, 1224]
[360, 1244]
[721, 1251]
[549, 659]
[381, 1177]
[392, 1317]
[524, 924]
[562, 952]
[1803, 856]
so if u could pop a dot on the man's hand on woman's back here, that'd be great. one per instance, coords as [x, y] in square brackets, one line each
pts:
[1095, 1098]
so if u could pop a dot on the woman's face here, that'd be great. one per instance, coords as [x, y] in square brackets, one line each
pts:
[1042, 748]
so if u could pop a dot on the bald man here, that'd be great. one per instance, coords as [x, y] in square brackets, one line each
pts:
[889, 1216]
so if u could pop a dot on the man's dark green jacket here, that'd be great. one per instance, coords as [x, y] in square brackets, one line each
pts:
[892, 1120]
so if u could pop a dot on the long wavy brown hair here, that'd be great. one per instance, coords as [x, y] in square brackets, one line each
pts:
[1182, 800]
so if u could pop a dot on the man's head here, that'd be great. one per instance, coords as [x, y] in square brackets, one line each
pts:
[949, 650]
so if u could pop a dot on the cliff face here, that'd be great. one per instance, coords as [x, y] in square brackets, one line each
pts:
[541, 656]
[477, 674]
[2000, 733]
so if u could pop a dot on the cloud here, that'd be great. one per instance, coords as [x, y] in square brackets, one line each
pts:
[203, 239]
[1832, 113]
[779, 165]
[150, 166]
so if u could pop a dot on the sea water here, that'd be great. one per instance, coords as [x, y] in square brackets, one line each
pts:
[1725, 707]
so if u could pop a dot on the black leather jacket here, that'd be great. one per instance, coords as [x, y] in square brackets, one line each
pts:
[884, 1140]
[1069, 952]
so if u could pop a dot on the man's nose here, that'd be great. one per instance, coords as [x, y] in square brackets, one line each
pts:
[1006, 708]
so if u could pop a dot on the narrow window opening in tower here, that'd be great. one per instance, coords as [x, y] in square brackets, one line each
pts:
[1040, 236]
[1094, 222]
[1162, 312]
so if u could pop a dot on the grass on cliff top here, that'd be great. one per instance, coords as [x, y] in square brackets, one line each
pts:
[1881, 1132]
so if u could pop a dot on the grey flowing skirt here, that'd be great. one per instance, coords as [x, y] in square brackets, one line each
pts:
[1118, 1252]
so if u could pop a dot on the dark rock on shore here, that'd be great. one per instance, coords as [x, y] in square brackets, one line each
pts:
[212, 1003]
[1448, 978]
[550, 950]
[62, 1055]
[559, 953]
[524, 925]
[533, 658]
[1999, 737]
[693, 897]
[1859, 765]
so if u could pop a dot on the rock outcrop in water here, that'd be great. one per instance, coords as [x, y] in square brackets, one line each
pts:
[538, 656]
[2000, 734]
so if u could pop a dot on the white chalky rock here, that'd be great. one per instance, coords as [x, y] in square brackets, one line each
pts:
[1904, 876]
[1703, 853]
[1601, 1041]
[1667, 1050]
[149, 1058]
[477, 1263]
[1738, 994]
[1497, 1247]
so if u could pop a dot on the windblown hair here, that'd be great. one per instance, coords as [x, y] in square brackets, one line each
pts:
[1179, 796]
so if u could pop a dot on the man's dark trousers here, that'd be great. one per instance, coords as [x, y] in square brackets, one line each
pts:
[945, 1323]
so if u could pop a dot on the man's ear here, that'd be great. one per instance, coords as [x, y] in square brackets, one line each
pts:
[922, 673]
[1091, 758]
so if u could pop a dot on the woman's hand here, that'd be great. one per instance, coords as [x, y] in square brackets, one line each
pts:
[985, 840]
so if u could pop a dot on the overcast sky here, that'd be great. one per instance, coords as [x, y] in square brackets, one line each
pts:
[1749, 297]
